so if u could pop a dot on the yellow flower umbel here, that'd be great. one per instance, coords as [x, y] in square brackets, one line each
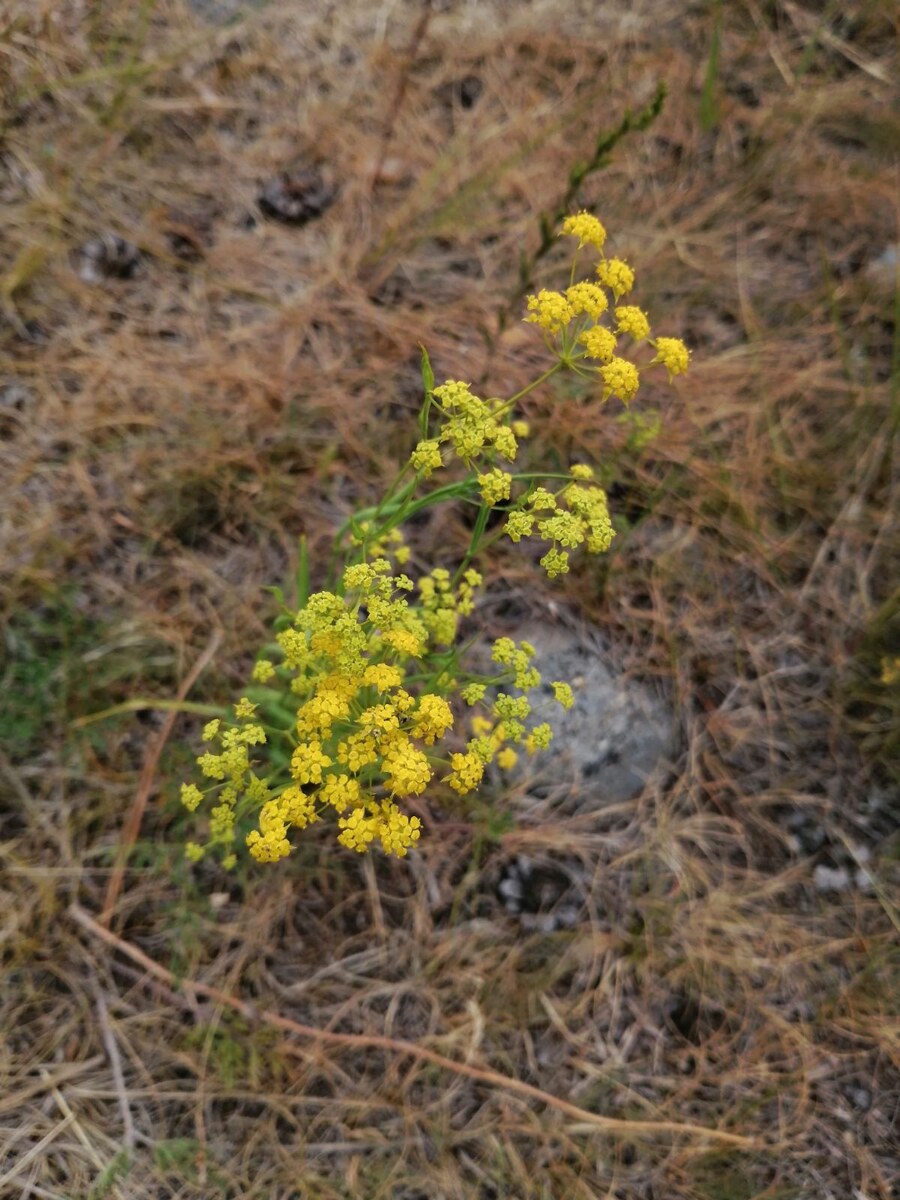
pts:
[586, 227]
[616, 275]
[673, 354]
[551, 310]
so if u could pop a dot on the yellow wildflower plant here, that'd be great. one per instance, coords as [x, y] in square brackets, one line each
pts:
[355, 710]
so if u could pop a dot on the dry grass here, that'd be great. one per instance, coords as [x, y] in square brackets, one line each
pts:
[166, 438]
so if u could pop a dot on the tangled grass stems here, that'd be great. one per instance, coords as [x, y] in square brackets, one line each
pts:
[585, 1119]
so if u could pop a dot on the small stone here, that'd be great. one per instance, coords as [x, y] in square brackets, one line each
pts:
[859, 1097]
[831, 879]
[883, 270]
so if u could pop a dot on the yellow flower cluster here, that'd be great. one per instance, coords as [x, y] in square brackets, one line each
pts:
[471, 425]
[586, 227]
[577, 515]
[573, 316]
[368, 729]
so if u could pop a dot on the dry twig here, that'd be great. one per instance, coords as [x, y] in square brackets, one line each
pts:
[396, 1046]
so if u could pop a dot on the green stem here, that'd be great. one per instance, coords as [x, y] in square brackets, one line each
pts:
[474, 542]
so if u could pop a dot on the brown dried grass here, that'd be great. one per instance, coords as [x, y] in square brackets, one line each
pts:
[181, 429]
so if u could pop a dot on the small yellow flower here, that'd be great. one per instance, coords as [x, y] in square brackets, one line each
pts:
[519, 525]
[620, 378]
[481, 726]
[541, 500]
[599, 343]
[405, 767]
[382, 676]
[633, 320]
[467, 772]
[244, 708]
[308, 761]
[193, 852]
[495, 486]
[357, 830]
[507, 758]
[211, 730]
[587, 298]
[581, 471]
[263, 671]
[673, 354]
[555, 562]
[432, 719]
[503, 651]
[341, 792]
[542, 736]
[190, 796]
[426, 457]
[586, 227]
[616, 274]
[404, 642]
[562, 693]
[551, 310]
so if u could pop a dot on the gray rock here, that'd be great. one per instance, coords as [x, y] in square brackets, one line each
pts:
[831, 879]
[223, 12]
[882, 270]
[618, 732]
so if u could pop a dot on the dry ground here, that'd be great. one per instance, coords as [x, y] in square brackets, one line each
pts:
[165, 438]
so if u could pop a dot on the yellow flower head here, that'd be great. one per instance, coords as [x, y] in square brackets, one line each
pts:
[633, 320]
[433, 718]
[673, 354]
[426, 457]
[190, 796]
[308, 761]
[555, 562]
[598, 343]
[620, 378]
[587, 298]
[519, 525]
[340, 791]
[495, 486]
[551, 310]
[586, 227]
[406, 768]
[616, 274]
[467, 772]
